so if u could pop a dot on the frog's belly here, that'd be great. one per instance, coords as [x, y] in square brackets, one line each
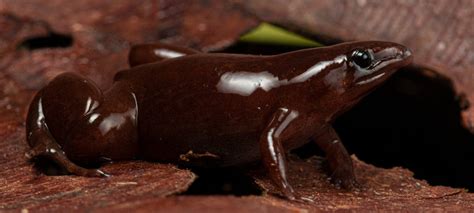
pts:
[203, 150]
[207, 147]
[203, 128]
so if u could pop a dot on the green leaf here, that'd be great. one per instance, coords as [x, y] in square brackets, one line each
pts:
[269, 34]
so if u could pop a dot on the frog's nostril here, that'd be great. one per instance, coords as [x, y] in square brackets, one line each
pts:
[406, 53]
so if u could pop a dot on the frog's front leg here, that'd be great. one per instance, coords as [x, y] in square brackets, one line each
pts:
[273, 154]
[340, 163]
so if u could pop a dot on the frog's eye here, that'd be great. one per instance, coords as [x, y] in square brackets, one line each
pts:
[362, 58]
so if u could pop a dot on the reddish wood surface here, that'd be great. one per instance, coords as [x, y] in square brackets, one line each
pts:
[103, 32]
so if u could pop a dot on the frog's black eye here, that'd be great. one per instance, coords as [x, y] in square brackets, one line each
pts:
[361, 58]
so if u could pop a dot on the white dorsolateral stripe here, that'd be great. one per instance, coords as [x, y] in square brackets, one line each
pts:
[165, 53]
[314, 70]
[245, 83]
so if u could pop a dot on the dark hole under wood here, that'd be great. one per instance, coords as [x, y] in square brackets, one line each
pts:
[227, 181]
[412, 121]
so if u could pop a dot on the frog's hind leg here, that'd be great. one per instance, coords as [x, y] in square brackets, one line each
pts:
[60, 102]
[47, 147]
[150, 53]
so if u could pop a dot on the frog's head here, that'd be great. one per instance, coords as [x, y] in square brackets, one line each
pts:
[361, 67]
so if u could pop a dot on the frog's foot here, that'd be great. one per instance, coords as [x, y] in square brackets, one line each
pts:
[295, 196]
[344, 176]
[339, 160]
[48, 148]
[289, 193]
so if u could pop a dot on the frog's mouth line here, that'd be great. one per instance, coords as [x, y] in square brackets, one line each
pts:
[361, 82]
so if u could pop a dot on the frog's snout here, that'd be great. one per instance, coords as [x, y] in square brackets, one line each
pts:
[397, 55]
[406, 53]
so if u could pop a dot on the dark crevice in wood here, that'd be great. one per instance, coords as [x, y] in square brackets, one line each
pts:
[413, 121]
[228, 181]
[52, 40]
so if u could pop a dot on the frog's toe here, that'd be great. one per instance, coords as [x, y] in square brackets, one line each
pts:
[344, 177]
[98, 173]
[349, 184]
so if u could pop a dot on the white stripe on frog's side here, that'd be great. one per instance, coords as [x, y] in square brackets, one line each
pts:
[314, 70]
[245, 83]
[165, 53]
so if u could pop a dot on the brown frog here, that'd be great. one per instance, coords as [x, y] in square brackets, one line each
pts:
[181, 106]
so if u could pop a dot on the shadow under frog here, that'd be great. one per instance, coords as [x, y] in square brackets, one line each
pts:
[181, 106]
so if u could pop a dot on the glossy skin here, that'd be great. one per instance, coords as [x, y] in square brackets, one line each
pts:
[210, 110]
